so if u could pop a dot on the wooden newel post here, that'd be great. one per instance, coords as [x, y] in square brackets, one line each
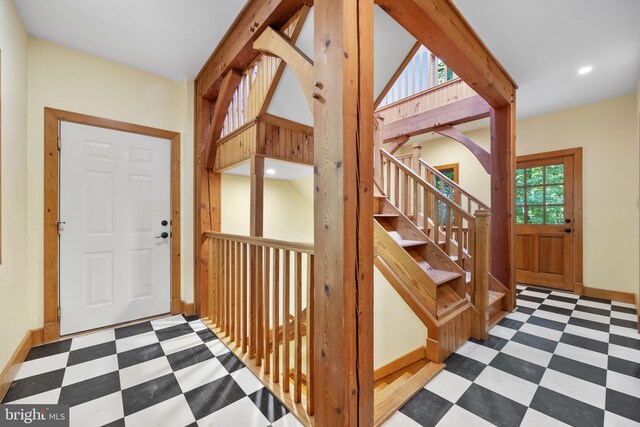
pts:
[416, 153]
[481, 274]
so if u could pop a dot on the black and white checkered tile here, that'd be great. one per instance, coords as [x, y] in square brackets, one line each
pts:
[166, 372]
[558, 360]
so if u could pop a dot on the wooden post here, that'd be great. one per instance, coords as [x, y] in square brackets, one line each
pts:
[343, 112]
[481, 274]
[377, 160]
[416, 153]
[256, 222]
[503, 167]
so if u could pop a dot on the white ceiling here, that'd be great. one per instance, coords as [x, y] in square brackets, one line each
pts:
[541, 43]
[172, 38]
[274, 169]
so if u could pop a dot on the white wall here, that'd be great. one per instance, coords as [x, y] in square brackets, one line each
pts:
[608, 133]
[14, 302]
[71, 80]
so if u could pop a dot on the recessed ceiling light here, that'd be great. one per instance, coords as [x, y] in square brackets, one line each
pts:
[585, 70]
[270, 171]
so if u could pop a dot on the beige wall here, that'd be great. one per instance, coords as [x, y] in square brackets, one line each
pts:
[71, 80]
[13, 270]
[608, 133]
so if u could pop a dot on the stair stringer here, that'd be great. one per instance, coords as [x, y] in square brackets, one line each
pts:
[434, 255]
[412, 283]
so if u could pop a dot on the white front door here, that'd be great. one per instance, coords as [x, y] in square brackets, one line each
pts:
[115, 264]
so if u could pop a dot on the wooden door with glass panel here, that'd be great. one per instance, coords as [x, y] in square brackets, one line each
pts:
[545, 238]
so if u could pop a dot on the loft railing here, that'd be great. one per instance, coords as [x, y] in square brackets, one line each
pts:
[261, 306]
[423, 72]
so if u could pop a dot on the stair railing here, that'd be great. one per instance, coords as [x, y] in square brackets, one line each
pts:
[260, 304]
[428, 208]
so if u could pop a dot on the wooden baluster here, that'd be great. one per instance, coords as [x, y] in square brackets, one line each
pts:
[388, 177]
[276, 316]
[211, 271]
[310, 334]
[259, 307]
[219, 284]
[232, 288]
[481, 264]
[227, 283]
[460, 240]
[253, 310]
[245, 294]
[223, 285]
[396, 186]
[236, 292]
[286, 294]
[449, 227]
[298, 328]
[265, 308]
[425, 212]
[406, 203]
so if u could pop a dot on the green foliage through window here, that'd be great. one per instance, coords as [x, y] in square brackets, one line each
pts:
[540, 195]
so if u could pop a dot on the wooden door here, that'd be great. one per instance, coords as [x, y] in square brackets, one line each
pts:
[115, 234]
[549, 219]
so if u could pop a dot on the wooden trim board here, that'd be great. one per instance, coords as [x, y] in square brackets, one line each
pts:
[400, 363]
[52, 119]
[31, 339]
[188, 308]
[618, 296]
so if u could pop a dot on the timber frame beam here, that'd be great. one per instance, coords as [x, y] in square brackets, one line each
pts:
[455, 113]
[480, 153]
[229, 84]
[273, 42]
[439, 26]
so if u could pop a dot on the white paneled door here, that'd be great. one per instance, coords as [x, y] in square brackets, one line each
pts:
[115, 231]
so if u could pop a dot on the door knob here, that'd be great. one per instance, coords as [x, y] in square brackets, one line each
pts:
[164, 222]
[568, 230]
[567, 221]
[164, 235]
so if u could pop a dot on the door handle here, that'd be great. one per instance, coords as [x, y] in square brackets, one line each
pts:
[567, 230]
[164, 235]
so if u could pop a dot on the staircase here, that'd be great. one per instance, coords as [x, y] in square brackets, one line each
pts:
[433, 247]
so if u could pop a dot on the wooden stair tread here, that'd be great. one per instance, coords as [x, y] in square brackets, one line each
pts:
[387, 400]
[448, 301]
[385, 215]
[410, 243]
[442, 276]
[495, 296]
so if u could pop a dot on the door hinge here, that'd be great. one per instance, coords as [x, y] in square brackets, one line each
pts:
[59, 143]
[60, 226]
[59, 312]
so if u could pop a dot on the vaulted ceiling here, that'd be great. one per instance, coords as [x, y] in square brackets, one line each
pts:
[542, 43]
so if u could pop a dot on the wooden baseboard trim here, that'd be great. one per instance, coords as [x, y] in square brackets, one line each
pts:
[400, 363]
[188, 308]
[32, 338]
[626, 297]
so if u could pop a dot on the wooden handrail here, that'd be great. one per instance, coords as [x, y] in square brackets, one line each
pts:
[306, 248]
[426, 185]
[453, 184]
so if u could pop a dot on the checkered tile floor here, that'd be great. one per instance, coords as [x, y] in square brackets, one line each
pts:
[169, 372]
[558, 360]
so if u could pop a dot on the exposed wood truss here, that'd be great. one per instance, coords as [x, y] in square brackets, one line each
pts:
[236, 49]
[397, 143]
[481, 154]
[228, 86]
[441, 28]
[276, 44]
[455, 113]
